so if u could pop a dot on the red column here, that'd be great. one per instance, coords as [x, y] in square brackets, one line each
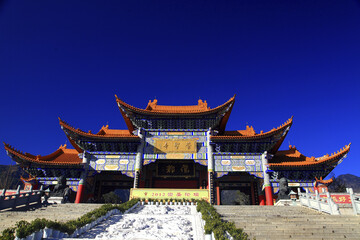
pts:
[217, 194]
[267, 183]
[79, 192]
[269, 195]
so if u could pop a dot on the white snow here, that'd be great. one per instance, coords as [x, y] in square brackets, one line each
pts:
[150, 222]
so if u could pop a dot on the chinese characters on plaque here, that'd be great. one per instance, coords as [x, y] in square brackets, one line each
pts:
[175, 169]
[156, 193]
[175, 145]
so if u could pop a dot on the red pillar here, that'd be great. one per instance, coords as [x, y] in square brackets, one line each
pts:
[80, 190]
[217, 194]
[267, 183]
[269, 195]
[79, 193]
[262, 200]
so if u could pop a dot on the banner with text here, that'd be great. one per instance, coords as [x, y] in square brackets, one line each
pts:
[164, 193]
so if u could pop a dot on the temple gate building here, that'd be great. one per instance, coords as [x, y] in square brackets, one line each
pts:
[178, 147]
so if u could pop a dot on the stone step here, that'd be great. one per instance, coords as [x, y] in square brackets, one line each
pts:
[275, 237]
[279, 235]
[269, 222]
[304, 217]
[302, 228]
[329, 226]
[312, 232]
[308, 221]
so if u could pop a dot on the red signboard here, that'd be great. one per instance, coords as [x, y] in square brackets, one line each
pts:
[339, 198]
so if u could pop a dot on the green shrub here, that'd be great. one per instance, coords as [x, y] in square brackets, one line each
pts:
[8, 234]
[213, 223]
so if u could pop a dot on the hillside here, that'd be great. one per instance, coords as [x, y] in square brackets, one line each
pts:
[10, 176]
[350, 181]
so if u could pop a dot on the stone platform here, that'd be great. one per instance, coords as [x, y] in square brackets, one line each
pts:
[59, 212]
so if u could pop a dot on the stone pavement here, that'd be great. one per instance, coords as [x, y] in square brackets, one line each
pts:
[289, 222]
[59, 212]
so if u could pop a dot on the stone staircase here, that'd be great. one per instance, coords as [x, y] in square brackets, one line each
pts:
[290, 222]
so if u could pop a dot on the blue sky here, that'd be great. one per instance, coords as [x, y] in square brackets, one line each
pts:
[281, 58]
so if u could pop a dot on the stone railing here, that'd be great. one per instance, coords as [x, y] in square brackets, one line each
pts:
[325, 203]
[19, 198]
[316, 202]
[355, 200]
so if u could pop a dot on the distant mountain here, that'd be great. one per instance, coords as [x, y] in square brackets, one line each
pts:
[350, 181]
[10, 176]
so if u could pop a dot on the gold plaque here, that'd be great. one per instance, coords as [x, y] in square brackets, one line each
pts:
[237, 157]
[175, 145]
[176, 133]
[175, 156]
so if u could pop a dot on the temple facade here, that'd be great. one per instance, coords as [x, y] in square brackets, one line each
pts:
[178, 147]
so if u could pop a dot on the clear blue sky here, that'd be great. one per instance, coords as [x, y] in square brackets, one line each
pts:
[281, 58]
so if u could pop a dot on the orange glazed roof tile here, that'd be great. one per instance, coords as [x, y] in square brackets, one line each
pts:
[62, 156]
[154, 108]
[324, 182]
[249, 133]
[293, 158]
[104, 132]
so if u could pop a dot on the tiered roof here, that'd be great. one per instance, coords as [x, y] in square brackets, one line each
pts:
[288, 159]
[62, 157]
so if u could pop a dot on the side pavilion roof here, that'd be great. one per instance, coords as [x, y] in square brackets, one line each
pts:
[292, 158]
[61, 157]
[104, 132]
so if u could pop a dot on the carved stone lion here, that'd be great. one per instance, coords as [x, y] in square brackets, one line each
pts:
[284, 189]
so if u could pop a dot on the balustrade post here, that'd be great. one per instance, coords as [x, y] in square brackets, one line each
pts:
[352, 198]
[299, 194]
[16, 197]
[329, 200]
[307, 197]
[2, 195]
[41, 191]
[317, 196]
